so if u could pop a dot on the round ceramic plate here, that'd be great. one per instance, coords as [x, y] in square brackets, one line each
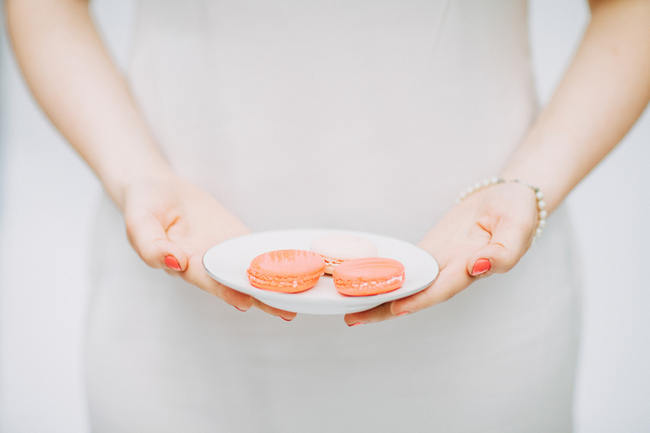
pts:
[227, 263]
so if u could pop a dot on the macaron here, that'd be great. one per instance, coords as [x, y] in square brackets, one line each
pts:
[337, 248]
[288, 271]
[369, 276]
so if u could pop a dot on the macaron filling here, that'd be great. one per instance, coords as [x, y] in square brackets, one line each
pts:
[274, 283]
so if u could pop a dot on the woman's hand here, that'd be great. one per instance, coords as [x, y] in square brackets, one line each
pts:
[171, 223]
[487, 232]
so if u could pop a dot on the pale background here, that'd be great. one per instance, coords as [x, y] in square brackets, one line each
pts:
[47, 199]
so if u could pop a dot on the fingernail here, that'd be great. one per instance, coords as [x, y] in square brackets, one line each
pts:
[172, 263]
[403, 313]
[285, 319]
[240, 309]
[481, 266]
[354, 324]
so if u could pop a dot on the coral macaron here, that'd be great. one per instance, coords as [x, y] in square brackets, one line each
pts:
[370, 276]
[288, 271]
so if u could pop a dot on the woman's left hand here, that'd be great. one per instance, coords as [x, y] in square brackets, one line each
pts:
[489, 231]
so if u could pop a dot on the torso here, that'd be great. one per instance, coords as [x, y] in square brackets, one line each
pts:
[366, 115]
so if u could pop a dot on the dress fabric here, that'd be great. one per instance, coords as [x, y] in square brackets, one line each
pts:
[363, 115]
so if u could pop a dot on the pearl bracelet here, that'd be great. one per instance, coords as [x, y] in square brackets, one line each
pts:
[539, 196]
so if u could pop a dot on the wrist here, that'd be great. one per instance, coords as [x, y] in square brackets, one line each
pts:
[546, 161]
[126, 175]
[539, 176]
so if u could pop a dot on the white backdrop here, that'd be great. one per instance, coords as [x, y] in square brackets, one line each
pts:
[47, 201]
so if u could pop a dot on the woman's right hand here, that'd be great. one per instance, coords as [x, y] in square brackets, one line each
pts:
[171, 223]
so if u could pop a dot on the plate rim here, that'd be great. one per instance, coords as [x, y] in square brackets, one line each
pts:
[370, 299]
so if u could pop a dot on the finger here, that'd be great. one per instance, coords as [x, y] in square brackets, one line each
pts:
[148, 238]
[196, 275]
[504, 249]
[377, 314]
[283, 314]
[452, 279]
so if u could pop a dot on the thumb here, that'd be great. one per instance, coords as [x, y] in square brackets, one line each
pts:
[502, 252]
[149, 239]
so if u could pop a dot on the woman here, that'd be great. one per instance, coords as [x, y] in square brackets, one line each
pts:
[254, 115]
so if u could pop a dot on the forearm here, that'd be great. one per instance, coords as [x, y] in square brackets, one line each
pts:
[604, 91]
[73, 78]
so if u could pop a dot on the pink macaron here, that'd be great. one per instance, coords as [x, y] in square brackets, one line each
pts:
[336, 248]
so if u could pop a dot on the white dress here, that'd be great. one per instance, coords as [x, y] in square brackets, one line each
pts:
[255, 100]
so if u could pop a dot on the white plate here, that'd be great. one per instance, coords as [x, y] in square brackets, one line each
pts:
[227, 263]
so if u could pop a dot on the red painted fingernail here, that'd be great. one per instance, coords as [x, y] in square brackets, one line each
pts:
[285, 319]
[354, 324]
[481, 266]
[172, 263]
[240, 309]
[403, 313]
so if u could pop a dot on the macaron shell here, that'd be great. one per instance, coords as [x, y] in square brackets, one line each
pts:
[289, 271]
[370, 276]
